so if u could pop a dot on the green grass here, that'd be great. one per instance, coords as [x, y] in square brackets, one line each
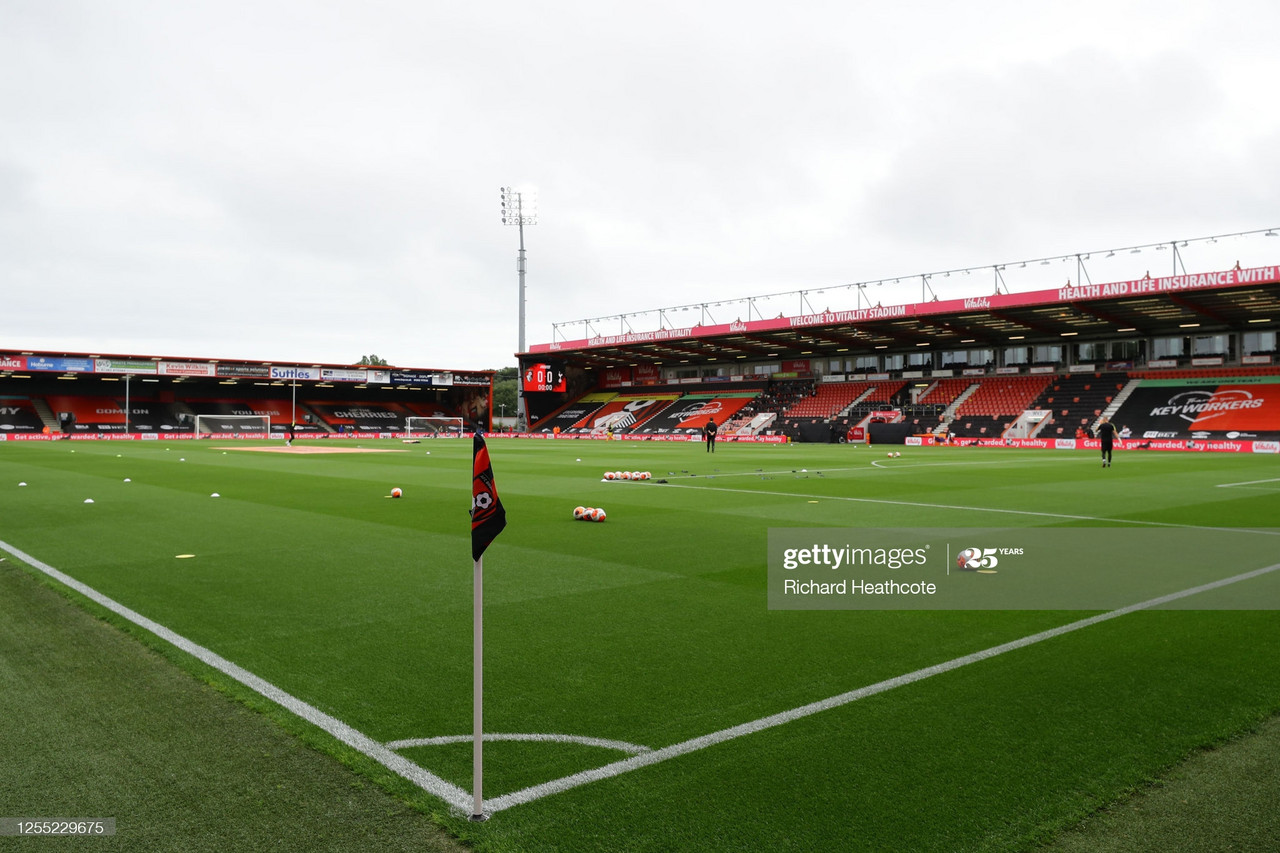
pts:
[652, 628]
[96, 725]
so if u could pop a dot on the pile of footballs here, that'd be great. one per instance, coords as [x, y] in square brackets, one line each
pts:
[588, 513]
[894, 454]
[627, 475]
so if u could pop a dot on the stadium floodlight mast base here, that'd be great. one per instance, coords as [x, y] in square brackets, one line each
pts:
[519, 208]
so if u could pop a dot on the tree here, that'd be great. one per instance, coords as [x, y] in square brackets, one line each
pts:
[504, 390]
[372, 361]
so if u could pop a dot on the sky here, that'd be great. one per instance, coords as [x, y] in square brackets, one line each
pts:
[316, 181]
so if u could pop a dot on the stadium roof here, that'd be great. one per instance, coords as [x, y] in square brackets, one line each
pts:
[1200, 304]
[69, 364]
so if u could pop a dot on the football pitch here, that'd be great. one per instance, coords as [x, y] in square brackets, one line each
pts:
[639, 693]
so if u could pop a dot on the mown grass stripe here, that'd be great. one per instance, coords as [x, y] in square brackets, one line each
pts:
[432, 784]
[647, 759]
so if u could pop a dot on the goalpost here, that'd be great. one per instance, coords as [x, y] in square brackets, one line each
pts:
[433, 427]
[209, 424]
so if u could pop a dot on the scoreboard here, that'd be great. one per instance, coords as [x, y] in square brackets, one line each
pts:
[544, 377]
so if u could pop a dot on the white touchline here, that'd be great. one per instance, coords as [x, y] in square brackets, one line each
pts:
[1248, 483]
[605, 743]
[429, 782]
[646, 759]
[971, 508]
[898, 466]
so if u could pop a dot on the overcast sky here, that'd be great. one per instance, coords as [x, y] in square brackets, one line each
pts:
[316, 181]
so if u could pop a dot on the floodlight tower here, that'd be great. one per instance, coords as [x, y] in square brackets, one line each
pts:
[519, 208]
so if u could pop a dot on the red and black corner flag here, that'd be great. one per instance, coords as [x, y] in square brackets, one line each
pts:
[487, 515]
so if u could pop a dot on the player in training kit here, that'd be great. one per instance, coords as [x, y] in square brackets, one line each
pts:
[1106, 433]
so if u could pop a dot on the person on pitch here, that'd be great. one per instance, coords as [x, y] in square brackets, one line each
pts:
[1106, 433]
[709, 433]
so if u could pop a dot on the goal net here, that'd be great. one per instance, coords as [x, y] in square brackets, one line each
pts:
[418, 427]
[210, 424]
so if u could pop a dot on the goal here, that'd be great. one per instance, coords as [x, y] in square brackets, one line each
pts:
[210, 424]
[433, 427]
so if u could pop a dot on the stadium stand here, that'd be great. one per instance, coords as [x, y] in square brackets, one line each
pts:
[1003, 396]
[690, 414]
[360, 416]
[18, 414]
[1205, 372]
[87, 414]
[624, 413]
[980, 426]
[944, 391]
[431, 410]
[828, 399]
[1077, 400]
[572, 412]
[994, 406]
[1200, 407]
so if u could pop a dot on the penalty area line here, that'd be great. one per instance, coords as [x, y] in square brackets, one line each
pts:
[975, 508]
[656, 756]
[429, 782]
[1248, 483]
[496, 737]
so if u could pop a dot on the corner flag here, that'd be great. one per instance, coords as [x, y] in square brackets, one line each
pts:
[487, 520]
[487, 515]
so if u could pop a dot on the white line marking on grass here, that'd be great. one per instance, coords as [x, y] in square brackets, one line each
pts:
[974, 508]
[619, 745]
[429, 782]
[1248, 483]
[902, 464]
[626, 765]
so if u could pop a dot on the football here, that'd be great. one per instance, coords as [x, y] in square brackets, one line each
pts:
[597, 514]
[608, 475]
[395, 493]
[579, 511]
[626, 475]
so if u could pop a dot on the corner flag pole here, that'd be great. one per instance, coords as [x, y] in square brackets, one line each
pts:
[477, 693]
[487, 520]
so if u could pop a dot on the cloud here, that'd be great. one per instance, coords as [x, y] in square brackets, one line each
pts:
[317, 181]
